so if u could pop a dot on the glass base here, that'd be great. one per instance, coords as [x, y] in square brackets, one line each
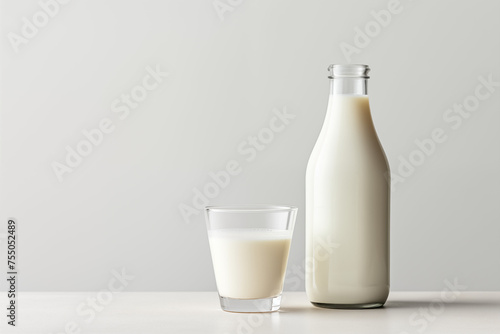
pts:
[250, 305]
[349, 306]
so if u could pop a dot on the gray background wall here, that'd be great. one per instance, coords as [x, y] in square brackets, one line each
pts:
[119, 208]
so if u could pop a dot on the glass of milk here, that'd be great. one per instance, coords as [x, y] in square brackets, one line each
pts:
[249, 247]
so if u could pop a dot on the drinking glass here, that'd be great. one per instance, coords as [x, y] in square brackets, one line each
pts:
[249, 247]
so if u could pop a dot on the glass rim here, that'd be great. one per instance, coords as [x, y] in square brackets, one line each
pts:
[251, 208]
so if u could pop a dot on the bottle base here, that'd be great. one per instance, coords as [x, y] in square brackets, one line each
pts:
[349, 306]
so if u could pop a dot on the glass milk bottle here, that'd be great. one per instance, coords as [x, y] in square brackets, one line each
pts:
[347, 201]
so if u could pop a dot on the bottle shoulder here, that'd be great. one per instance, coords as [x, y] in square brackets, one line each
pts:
[353, 153]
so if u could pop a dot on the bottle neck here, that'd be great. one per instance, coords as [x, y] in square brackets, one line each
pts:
[349, 86]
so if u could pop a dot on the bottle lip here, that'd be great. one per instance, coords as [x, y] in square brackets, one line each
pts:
[348, 71]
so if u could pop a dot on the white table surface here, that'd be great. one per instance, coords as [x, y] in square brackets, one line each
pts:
[199, 312]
